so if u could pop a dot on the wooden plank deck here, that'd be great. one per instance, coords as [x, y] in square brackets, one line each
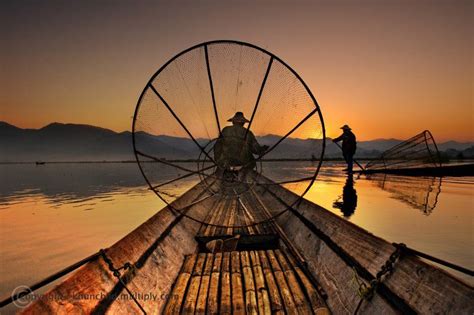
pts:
[238, 215]
[245, 282]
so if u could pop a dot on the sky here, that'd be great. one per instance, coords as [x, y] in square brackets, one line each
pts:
[389, 69]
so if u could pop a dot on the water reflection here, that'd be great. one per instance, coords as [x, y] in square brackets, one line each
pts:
[347, 202]
[55, 214]
[420, 193]
[77, 183]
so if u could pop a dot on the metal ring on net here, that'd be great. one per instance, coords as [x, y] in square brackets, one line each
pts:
[183, 108]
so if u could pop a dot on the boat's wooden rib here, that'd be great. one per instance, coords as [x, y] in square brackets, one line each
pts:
[225, 294]
[249, 284]
[287, 297]
[238, 302]
[176, 297]
[171, 263]
[213, 298]
[191, 296]
[276, 302]
[317, 303]
[298, 295]
[260, 287]
[204, 287]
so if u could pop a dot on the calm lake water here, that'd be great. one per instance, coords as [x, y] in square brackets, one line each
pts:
[56, 214]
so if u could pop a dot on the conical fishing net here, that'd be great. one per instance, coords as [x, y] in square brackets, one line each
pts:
[420, 193]
[230, 116]
[417, 152]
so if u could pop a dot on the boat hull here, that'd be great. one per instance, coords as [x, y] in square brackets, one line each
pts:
[332, 250]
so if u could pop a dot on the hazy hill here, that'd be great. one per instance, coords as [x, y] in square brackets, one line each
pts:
[73, 142]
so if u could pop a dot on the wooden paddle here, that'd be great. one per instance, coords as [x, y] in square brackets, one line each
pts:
[352, 158]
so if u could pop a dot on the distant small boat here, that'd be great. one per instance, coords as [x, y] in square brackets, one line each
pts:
[417, 156]
[305, 261]
[444, 170]
[40, 163]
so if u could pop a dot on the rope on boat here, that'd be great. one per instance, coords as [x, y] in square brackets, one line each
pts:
[116, 273]
[367, 292]
[48, 280]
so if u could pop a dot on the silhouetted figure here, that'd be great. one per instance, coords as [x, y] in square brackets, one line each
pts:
[349, 146]
[349, 198]
[235, 148]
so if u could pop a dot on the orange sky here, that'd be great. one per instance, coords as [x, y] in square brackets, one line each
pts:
[389, 69]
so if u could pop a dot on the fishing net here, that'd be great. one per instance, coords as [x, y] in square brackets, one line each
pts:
[417, 152]
[181, 125]
[420, 193]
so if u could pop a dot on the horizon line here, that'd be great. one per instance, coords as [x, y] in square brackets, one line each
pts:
[118, 132]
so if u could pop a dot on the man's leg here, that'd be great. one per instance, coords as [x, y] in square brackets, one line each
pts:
[350, 162]
[346, 158]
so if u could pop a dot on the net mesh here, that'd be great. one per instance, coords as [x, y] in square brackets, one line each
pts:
[420, 193]
[184, 108]
[417, 152]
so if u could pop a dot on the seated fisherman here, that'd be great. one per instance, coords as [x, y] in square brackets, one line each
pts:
[235, 148]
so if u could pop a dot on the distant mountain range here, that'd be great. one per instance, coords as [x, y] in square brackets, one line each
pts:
[73, 142]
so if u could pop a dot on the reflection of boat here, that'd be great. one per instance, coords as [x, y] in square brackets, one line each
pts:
[418, 192]
[445, 170]
[285, 264]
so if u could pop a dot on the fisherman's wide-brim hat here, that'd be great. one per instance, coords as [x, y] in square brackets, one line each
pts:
[346, 127]
[239, 117]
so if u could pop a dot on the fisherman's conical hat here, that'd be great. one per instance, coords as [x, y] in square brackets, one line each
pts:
[346, 127]
[239, 117]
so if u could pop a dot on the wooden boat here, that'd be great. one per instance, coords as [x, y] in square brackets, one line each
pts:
[305, 260]
[445, 170]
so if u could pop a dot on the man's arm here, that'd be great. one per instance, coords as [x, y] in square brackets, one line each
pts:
[338, 138]
[218, 149]
[255, 147]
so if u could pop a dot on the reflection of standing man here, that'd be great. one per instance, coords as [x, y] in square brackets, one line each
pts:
[349, 198]
[349, 146]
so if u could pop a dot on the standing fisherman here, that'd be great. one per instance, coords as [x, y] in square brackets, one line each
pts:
[349, 146]
[235, 148]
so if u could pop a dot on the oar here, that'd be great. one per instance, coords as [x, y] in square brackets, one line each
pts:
[352, 158]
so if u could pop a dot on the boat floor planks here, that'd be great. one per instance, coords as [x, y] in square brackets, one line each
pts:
[242, 286]
[254, 229]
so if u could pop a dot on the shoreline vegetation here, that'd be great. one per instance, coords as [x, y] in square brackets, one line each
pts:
[193, 161]
[167, 160]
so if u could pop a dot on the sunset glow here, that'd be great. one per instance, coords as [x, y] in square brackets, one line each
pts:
[389, 69]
